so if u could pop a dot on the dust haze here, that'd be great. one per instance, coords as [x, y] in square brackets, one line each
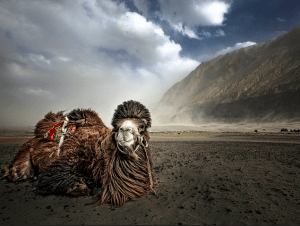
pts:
[185, 123]
[227, 127]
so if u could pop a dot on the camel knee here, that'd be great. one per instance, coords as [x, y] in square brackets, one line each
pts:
[79, 189]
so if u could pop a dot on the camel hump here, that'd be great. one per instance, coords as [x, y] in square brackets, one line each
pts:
[47, 122]
[77, 117]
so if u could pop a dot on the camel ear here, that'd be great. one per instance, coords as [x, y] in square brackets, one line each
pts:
[142, 127]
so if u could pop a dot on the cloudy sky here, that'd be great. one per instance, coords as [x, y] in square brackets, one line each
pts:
[61, 55]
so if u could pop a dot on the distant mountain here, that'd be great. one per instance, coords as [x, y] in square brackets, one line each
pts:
[257, 83]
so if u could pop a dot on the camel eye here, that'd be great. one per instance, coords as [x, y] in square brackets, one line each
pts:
[129, 130]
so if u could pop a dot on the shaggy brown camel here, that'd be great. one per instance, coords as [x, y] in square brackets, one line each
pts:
[118, 161]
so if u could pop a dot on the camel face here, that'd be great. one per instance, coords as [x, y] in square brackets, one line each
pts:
[127, 136]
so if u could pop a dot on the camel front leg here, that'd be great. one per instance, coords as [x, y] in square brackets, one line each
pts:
[63, 178]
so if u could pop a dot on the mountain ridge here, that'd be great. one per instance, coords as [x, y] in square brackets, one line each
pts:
[223, 83]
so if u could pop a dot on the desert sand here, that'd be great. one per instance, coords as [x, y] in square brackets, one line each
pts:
[216, 178]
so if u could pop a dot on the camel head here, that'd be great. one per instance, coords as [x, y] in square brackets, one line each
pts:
[130, 121]
[129, 136]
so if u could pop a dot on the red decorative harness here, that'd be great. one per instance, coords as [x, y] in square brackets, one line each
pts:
[56, 131]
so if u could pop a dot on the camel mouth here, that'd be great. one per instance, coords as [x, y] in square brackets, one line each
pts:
[129, 143]
[126, 142]
[127, 147]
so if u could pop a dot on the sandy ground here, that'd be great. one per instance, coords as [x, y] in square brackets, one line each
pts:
[229, 127]
[236, 137]
[227, 178]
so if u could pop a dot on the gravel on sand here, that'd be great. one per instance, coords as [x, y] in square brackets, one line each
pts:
[208, 181]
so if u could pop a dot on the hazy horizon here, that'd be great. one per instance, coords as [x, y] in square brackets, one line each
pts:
[217, 127]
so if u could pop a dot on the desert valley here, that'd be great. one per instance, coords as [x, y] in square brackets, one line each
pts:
[225, 144]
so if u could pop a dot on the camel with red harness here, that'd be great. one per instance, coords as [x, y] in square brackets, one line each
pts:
[74, 153]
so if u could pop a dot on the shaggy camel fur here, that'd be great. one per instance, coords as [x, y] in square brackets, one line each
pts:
[118, 161]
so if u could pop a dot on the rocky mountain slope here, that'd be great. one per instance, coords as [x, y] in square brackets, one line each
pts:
[257, 83]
